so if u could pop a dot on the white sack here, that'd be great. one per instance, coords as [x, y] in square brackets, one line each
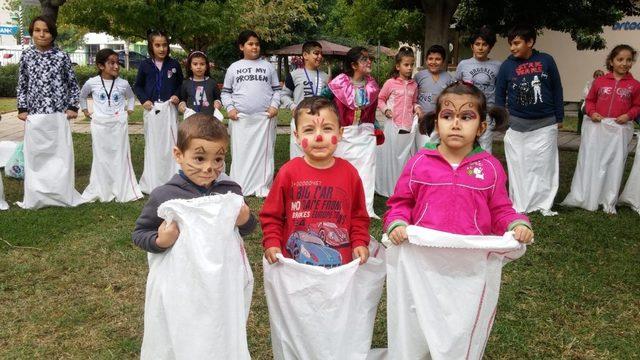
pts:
[3, 204]
[253, 140]
[442, 293]
[199, 291]
[532, 160]
[358, 147]
[392, 156]
[603, 152]
[631, 193]
[112, 176]
[160, 134]
[324, 314]
[421, 140]
[486, 139]
[294, 148]
[7, 148]
[49, 172]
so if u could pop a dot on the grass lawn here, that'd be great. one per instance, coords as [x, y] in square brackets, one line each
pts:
[7, 105]
[72, 284]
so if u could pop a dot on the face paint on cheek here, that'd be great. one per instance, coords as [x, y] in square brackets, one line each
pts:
[304, 143]
[319, 138]
[334, 139]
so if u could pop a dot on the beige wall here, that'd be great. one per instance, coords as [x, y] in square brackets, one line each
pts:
[577, 67]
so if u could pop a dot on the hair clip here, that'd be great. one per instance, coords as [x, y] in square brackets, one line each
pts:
[195, 52]
[467, 83]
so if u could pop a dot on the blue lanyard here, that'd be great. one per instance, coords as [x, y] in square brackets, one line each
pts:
[198, 104]
[315, 93]
[158, 78]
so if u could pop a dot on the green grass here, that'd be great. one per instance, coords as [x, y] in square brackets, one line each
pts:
[7, 105]
[72, 284]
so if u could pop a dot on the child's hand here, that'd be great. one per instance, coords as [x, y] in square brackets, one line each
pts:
[182, 107]
[174, 100]
[398, 235]
[243, 217]
[622, 119]
[272, 112]
[361, 252]
[23, 116]
[233, 114]
[270, 254]
[388, 113]
[217, 104]
[71, 114]
[167, 234]
[148, 105]
[595, 117]
[523, 234]
[86, 113]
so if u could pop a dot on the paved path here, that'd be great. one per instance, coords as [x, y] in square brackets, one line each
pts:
[11, 128]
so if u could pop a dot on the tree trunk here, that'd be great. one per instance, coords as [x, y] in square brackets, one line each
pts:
[50, 8]
[437, 17]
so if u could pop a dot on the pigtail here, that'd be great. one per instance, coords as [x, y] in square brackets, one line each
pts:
[427, 123]
[500, 117]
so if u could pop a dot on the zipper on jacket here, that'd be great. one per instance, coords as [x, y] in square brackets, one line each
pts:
[404, 103]
[613, 94]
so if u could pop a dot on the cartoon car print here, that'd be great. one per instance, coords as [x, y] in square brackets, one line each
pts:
[309, 249]
[330, 233]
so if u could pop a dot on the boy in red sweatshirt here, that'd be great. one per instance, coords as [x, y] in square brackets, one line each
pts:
[315, 212]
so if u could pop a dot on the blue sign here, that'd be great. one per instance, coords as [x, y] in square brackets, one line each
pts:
[626, 25]
[8, 29]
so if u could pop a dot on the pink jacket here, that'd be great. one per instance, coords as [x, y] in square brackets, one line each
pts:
[611, 98]
[470, 200]
[399, 96]
[341, 90]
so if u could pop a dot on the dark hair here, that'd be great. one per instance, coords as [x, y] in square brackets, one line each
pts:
[309, 46]
[598, 73]
[150, 35]
[199, 54]
[352, 57]
[485, 33]
[312, 106]
[525, 32]
[244, 36]
[200, 126]
[427, 123]
[403, 52]
[102, 56]
[437, 49]
[51, 25]
[617, 50]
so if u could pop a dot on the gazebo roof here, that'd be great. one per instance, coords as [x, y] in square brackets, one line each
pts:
[328, 48]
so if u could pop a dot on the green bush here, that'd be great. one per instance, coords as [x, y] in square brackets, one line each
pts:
[9, 77]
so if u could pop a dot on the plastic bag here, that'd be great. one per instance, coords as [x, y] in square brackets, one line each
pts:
[442, 292]
[533, 164]
[199, 291]
[112, 176]
[392, 156]
[320, 313]
[252, 153]
[7, 148]
[604, 147]
[631, 193]
[15, 165]
[160, 134]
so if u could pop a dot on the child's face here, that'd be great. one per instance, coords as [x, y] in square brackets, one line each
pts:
[251, 48]
[363, 66]
[111, 67]
[520, 48]
[312, 59]
[41, 35]
[318, 135]
[434, 63]
[480, 49]
[198, 66]
[405, 67]
[458, 123]
[202, 161]
[160, 47]
[622, 62]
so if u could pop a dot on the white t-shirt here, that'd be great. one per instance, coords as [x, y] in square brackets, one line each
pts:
[107, 101]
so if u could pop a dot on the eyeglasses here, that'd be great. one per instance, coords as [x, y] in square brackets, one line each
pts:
[365, 59]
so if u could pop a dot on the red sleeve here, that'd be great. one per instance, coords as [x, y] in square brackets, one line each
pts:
[272, 215]
[359, 230]
[634, 112]
[591, 99]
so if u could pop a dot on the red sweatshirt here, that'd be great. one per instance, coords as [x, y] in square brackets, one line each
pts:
[316, 216]
[611, 98]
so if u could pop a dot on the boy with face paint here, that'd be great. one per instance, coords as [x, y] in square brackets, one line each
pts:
[315, 212]
[200, 151]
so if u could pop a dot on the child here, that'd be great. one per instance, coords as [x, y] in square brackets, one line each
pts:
[398, 102]
[200, 152]
[355, 95]
[251, 95]
[585, 92]
[112, 176]
[47, 98]
[482, 72]
[315, 212]
[454, 187]
[431, 82]
[302, 83]
[157, 85]
[199, 92]
[611, 106]
[529, 84]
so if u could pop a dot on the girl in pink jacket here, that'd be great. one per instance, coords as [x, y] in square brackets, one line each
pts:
[455, 186]
[398, 102]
